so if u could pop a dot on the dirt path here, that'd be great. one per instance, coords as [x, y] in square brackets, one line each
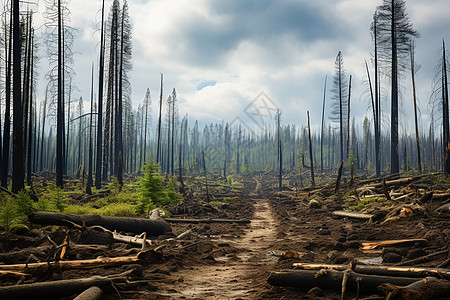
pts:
[233, 276]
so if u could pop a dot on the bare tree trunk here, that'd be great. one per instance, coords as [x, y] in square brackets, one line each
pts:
[119, 142]
[60, 109]
[7, 126]
[89, 180]
[98, 163]
[348, 115]
[419, 164]
[18, 157]
[445, 112]
[30, 125]
[206, 176]
[311, 156]
[158, 147]
[395, 164]
[377, 106]
[323, 124]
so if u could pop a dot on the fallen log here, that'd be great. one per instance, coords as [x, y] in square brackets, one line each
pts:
[389, 183]
[239, 221]
[12, 274]
[153, 227]
[81, 264]
[92, 293]
[400, 243]
[422, 259]
[353, 215]
[444, 264]
[42, 252]
[417, 272]
[60, 288]
[427, 288]
[332, 279]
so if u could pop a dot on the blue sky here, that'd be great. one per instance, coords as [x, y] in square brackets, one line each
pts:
[219, 55]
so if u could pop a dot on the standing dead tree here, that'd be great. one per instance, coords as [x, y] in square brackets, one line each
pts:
[311, 155]
[340, 103]
[394, 32]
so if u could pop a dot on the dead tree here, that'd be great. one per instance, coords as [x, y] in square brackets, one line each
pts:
[323, 125]
[311, 157]
[419, 164]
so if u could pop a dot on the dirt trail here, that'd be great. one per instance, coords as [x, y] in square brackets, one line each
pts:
[233, 276]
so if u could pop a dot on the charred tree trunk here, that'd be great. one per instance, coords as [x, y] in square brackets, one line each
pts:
[395, 163]
[89, 180]
[446, 121]
[377, 106]
[206, 176]
[419, 164]
[311, 156]
[158, 147]
[60, 108]
[7, 126]
[323, 125]
[348, 115]
[98, 163]
[154, 226]
[18, 157]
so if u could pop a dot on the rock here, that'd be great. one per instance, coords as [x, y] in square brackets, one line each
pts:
[316, 291]
[314, 204]
[341, 239]
[93, 237]
[415, 253]
[379, 215]
[338, 246]
[19, 229]
[323, 231]
[392, 257]
[392, 250]
[353, 244]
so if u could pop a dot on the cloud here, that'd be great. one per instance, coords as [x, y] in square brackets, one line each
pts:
[219, 55]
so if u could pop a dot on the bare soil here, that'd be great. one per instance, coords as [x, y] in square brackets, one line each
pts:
[234, 261]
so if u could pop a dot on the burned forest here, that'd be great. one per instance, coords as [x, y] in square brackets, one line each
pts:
[166, 149]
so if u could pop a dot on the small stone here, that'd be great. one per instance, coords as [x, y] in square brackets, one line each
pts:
[415, 253]
[391, 250]
[314, 204]
[392, 257]
[316, 291]
[338, 246]
[353, 244]
[341, 239]
[323, 231]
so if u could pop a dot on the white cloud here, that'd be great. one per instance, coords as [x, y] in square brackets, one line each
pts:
[284, 48]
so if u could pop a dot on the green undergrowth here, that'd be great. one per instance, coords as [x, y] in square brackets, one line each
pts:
[15, 209]
[155, 190]
[131, 199]
[365, 203]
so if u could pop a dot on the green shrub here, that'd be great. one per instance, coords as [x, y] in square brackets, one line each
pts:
[24, 204]
[230, 180]
[7, 214]
[154, 191]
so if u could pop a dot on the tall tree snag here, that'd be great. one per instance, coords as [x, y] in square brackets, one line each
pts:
[18, 175]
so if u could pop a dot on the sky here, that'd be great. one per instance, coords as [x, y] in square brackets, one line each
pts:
[227, 57]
